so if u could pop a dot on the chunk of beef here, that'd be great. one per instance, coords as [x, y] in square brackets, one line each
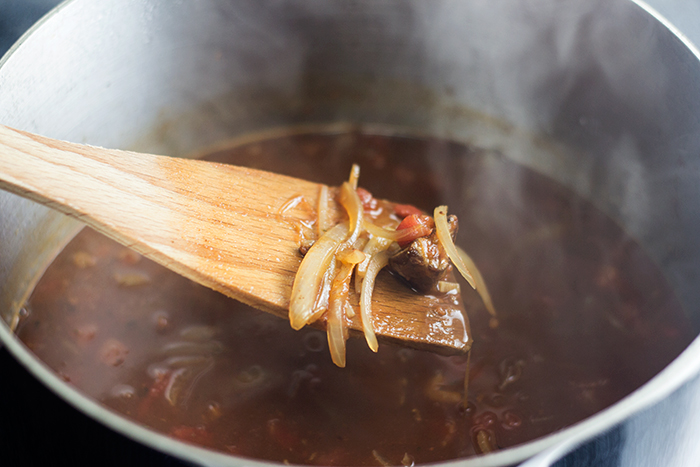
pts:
[424, 262]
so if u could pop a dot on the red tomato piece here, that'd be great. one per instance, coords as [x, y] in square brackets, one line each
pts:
[368, 201]
[405, 210]
[155, 392]
[412, 227]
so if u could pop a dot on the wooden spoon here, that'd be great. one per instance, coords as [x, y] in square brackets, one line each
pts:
[230, 228]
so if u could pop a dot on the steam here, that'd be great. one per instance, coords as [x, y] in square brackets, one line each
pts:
[583, 76]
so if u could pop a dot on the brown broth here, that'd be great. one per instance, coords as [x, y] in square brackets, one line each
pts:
[585, 318]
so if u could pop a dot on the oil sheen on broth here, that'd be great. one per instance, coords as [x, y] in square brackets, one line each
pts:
[585, 318]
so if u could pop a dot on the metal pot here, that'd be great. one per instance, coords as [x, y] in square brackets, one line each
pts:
[598, 95]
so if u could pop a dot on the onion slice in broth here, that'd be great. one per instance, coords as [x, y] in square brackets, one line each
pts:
[338, 304]
[442, 230]
[376, 263]
[464, 264]
[336, 328]
[374, 245]
[478, 280]
[324, 222]
[352, 204]
[321, 304]
[307, 282]
[381, 232]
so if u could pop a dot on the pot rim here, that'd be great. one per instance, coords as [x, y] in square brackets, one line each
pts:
[546, 450]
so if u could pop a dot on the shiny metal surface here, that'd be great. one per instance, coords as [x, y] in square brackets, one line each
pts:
[597, 94]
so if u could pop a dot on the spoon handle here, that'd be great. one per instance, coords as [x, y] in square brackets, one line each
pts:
[220, 225]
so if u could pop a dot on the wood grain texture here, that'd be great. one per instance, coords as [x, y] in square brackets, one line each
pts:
[220, 225]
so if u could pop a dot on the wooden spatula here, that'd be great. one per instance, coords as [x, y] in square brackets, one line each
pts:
[230, 228]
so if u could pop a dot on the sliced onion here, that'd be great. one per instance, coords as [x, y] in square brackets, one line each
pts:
[321, 304]
[442, 229]
[483, 440]
[352, 204]
[336, 328]
[349, 310]
[324, 219]
[383, 461]
[307, 281]
[479, 280]
[338, 304]
[376, 263]
[374, 246]
[353, 256]
[354, 176]
[437, 391]
[409, 234]
[378, 231]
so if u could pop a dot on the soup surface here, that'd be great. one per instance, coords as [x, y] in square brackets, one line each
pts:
[585, 318]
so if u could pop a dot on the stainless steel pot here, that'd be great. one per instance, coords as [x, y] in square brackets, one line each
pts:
[596, 94]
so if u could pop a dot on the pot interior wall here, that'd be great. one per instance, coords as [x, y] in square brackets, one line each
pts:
[596, 94]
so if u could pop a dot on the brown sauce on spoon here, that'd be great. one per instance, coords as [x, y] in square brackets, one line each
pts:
[585, 318]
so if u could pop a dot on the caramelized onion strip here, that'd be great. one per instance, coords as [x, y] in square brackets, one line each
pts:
[307, 282]
[378, 231]
[321, 304]
[374, 246]
[483, 441]
[352, 204]
[354, 176]
[354, 255]
[324, 217]
[478, 280]
[376, 263]
[442, 230]
[336, 327]
[337, 304]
